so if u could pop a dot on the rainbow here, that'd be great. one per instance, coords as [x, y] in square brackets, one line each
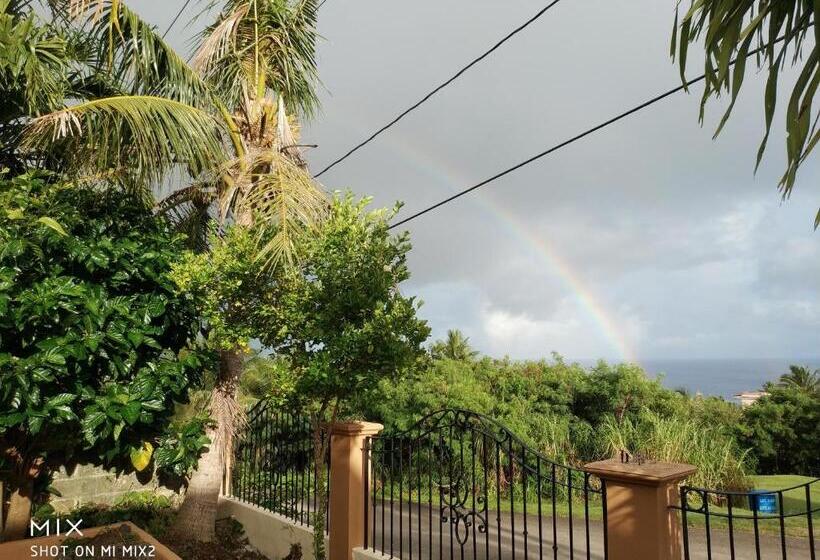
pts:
[443, 173]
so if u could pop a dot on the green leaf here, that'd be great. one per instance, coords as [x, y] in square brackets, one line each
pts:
[35, 423]
[52, 223]
[135, 337]
[131, 412]
[61, 399]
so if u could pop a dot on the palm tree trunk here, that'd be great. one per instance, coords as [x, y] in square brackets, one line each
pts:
[197, 515]
[19, 512]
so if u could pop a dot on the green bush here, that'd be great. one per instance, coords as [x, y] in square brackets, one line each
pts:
[575, 415]
[96, 344]
[783, 431]
[150, 511]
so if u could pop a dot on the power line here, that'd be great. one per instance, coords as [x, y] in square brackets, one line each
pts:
[176, 17]
[457, 75]
[572, 140]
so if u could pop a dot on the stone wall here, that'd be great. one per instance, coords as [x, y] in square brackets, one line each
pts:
[88, 484]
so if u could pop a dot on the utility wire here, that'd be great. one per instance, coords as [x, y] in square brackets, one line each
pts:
[572, 140]
[457, 75]
[176, 17]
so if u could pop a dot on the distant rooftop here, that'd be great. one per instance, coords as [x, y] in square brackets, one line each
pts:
[747, 398]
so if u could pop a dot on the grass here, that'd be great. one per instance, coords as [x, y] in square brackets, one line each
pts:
[794, 501]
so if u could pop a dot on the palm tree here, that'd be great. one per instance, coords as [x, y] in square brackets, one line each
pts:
[801, 377]
[455, 347]
[108, 100]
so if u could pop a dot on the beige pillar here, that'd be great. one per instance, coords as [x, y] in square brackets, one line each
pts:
[347, 486]
[640, 523]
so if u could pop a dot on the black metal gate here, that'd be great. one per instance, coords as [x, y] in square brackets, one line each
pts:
[459, 485]
[764, 524]
[272, 464]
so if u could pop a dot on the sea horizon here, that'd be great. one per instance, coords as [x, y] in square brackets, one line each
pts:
[720, 377]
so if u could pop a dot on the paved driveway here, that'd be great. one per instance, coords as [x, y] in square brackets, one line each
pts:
[418, 535]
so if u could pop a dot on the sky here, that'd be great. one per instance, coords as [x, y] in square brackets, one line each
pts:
[648, 240]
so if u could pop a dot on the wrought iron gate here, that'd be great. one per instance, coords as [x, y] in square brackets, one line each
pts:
[762, 525]
[459, 485]
[273, 464]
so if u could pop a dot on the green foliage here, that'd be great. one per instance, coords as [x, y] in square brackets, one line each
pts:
[229, 286]
[782, 430]
[732, 30]
[340, 318]
[269, 378]
[147, 510]
[455, 347]
[95, 341]
[801, 377]
[103, 100]
[574, 415]
[341, 321]
[32, 63]
[181, 445]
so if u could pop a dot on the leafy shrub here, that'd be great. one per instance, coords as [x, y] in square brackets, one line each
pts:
[783, 431]
[150, 511]
[181, 445]
[95, 340]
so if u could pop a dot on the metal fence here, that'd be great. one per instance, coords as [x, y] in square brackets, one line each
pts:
[273, 464]
[764, 524]
[459, 485]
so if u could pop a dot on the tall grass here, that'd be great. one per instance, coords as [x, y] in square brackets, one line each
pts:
[721, 464]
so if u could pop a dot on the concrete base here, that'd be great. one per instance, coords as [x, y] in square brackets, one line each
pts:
[270, 533]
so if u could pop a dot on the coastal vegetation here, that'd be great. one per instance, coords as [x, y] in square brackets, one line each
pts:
[576, 414]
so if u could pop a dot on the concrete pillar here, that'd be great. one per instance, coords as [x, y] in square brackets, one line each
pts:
[640, 523]
[346, 506]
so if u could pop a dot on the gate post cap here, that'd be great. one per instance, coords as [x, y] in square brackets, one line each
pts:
[356, 428]
[649, 473]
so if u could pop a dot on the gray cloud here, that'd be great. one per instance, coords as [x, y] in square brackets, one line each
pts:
[648, 238]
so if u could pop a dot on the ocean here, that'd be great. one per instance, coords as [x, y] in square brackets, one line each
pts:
[722, 377]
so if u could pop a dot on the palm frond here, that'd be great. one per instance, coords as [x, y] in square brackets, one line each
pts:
[131, 50]
[782, 33]
[286, 204]
[33, 65]
[219, 40]
[275, 45]
[142, 134]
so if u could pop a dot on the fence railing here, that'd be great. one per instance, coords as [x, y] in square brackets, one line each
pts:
[763, 524]
[460, 485]
[273, 464]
